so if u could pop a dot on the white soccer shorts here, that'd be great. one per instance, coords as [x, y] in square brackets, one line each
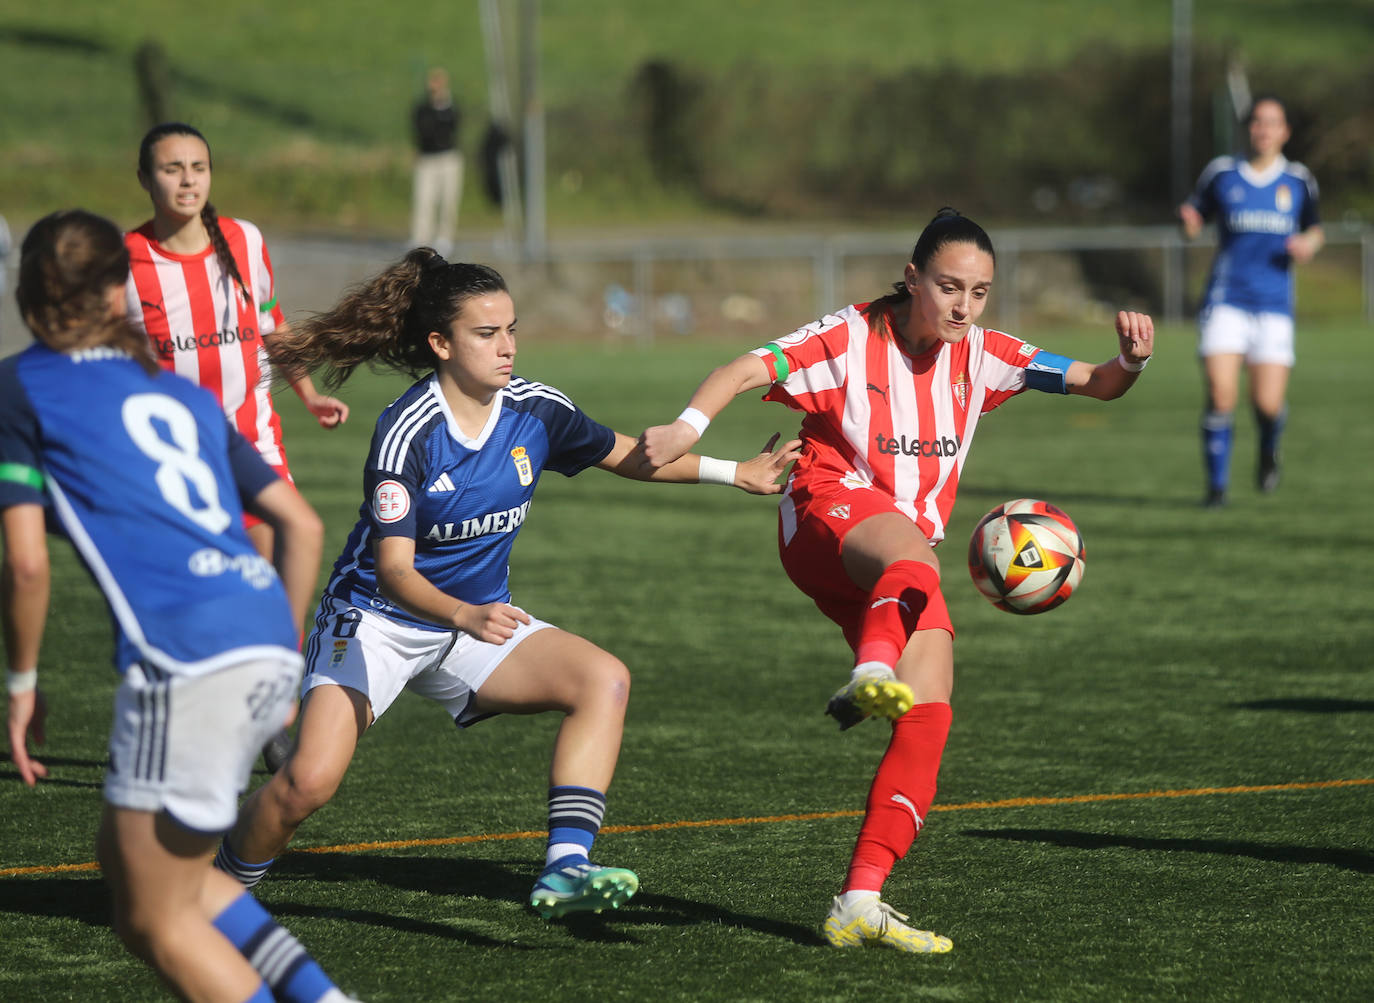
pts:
[186, 745]
[378, 657]
[1260, 337]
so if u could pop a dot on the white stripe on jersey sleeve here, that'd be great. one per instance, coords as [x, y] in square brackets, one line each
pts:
[520, 389]
[396, 442]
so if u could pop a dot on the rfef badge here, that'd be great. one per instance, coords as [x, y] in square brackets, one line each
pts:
[523, 467]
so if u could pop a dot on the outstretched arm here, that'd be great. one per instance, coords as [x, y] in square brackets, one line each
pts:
[662, 444]
[24, 587]
[757, 475]
[1135, 335]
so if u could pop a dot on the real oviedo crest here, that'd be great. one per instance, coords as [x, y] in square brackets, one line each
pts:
[1283, 199]
[523, 466]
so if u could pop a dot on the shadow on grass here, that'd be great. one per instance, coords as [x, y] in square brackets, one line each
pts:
[1309, 705]
[84, 899]
[1360, 861]
[498, 881]
[9, 774]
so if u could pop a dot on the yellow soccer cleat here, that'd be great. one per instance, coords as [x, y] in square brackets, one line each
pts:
[871, 691]
[871, 922]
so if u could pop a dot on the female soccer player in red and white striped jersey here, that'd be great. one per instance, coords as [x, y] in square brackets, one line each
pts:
[892, 391]
[201, 286]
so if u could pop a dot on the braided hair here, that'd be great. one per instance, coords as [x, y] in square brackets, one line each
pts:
[385, 321]
[208, 216]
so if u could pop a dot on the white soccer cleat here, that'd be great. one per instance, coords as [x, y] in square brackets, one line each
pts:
[871, 922]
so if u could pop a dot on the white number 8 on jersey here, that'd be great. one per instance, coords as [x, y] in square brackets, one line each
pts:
[180, 467]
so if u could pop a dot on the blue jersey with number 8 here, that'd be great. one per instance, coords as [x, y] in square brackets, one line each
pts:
[147, 480]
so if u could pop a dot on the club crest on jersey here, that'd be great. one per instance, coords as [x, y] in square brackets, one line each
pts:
[390, 502]
[1283, 199]
[854, 480]
[960, 386]
[838, 512]
[523, 466]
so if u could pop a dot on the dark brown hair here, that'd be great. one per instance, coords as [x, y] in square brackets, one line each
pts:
[385, 321]
[67, 264]
[948, 226]
[208, 216]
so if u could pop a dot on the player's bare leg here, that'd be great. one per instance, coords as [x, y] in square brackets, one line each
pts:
[156, 871]
[332, 719]
[553, 670]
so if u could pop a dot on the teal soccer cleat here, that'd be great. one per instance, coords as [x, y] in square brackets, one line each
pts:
[573, 884]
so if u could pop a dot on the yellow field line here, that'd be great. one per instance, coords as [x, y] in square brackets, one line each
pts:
[490, 837]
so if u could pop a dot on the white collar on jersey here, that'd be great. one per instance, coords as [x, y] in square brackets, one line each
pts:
[1266, 177]
[452, 423]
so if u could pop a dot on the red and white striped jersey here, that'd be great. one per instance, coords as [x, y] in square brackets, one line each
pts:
[203, 328]
[879, 417]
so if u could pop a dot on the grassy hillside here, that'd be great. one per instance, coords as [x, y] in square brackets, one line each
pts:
[306, 105]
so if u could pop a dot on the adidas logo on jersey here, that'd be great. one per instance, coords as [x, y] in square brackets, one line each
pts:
[444, 483]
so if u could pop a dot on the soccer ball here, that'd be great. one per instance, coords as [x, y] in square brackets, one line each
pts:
[1026, 556]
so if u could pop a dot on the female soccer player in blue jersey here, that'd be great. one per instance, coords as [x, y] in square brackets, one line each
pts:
[1266, 213]
[419, 598]
[125, 454]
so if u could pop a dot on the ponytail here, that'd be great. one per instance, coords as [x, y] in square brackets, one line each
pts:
[385, 321]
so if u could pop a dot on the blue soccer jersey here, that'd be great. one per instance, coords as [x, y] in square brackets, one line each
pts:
[146, 478]
[1256, 213]
[462, 500]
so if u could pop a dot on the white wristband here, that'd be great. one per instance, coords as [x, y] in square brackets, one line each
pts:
[1131, 367]
[21, 682]
[696, 419]
[714, 471]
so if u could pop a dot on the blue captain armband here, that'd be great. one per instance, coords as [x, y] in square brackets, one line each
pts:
[1048, 373]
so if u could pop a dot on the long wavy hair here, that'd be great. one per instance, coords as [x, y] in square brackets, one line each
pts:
[385, 322]
[208, 216]
[948, 226]
[67, 265]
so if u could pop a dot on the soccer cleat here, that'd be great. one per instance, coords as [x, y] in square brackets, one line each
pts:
[1268, 477]
[1216, 498]
[573, 884]
[876, 691]
[871, 922]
